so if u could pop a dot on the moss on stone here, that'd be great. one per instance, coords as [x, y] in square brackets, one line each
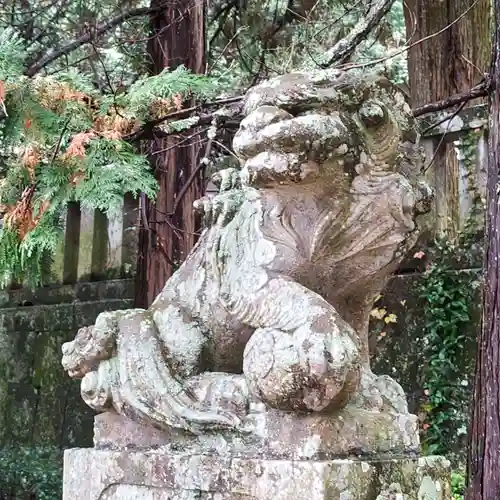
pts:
[39, 405]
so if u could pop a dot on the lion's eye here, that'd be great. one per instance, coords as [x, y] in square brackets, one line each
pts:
[372, 115]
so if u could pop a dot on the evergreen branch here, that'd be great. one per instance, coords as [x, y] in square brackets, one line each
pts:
[99, 30]
[150, 129]
[202, 121]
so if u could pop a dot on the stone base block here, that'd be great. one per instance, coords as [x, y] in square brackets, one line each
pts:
[91, 474]
[276, 435]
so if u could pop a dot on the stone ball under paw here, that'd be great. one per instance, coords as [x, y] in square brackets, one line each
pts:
[299, 371]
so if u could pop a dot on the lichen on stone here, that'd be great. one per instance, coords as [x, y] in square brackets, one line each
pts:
[271, 307]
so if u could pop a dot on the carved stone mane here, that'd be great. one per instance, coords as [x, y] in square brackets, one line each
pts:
[268, 316]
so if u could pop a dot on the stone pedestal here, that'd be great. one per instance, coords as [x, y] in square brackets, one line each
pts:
[286, 457]
[91, 474]
[351, 432]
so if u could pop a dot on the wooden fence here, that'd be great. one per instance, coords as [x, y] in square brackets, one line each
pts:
[456, 164]
[96, 247]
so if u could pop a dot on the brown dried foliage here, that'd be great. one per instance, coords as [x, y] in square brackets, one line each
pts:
[30, 159]
[52, 94]
[162, 107]
[114, 126]
[76, 148]
[21, 216]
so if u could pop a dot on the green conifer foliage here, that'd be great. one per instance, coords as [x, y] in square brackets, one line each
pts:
[62, 141]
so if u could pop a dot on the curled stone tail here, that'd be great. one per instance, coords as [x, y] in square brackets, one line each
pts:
[151, 390]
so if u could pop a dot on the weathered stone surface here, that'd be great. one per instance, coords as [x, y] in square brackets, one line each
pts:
[267, 319]
[275, 434]
[114, 431]
[61, 294]
[160, 475]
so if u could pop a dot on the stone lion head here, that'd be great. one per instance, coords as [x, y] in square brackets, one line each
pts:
[348, 141]
[334, 129]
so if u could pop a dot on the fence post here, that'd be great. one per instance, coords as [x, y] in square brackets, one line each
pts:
[93, 244]
[71, 243]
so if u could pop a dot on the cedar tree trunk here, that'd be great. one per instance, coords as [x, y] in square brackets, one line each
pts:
[165, 238]
[441, 66]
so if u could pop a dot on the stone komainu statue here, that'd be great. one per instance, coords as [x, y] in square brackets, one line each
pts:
[269, 313]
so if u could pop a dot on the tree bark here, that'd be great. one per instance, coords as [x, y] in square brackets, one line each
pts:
[454, 61]
[165, 238]
[442, 66]
[484, 444]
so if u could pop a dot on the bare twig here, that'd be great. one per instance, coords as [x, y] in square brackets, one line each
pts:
[229, 151]
[59, 142]
[191, 178]
[149, 128]
[449, 117]
[408, 47]
[330, 25]
[438, 147]
[180, 142]
[105, 71]
[480, 90]
[99, 30]
[240, 29]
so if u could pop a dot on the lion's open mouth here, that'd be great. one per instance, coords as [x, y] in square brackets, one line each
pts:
[311, 135]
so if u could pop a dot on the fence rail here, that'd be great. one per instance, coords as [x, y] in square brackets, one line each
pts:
[95, 246]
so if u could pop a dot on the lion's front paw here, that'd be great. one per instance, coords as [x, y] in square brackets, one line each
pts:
[300, 371]
[92, 345]
[380, 393]
[96, 386]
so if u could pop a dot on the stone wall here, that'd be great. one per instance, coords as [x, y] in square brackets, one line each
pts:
[39, 403]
